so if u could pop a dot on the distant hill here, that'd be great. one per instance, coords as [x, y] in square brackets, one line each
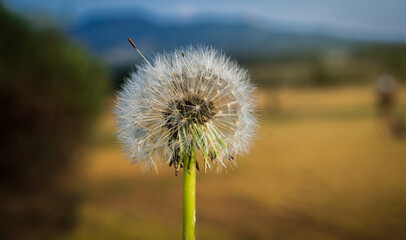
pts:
[107, 35]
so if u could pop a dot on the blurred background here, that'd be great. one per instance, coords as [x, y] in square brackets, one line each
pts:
[329, 161]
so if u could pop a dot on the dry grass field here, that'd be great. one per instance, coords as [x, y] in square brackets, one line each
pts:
[323, 167]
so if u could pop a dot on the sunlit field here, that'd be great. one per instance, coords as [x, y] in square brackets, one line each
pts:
[323, 167]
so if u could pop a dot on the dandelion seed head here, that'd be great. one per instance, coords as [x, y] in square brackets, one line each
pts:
[198, 97]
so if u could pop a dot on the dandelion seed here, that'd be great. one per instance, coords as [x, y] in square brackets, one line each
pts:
[160, 110]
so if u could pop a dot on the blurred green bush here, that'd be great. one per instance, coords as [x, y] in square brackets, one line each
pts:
[50, 94]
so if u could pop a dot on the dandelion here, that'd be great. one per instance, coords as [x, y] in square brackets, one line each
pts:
[183, 104]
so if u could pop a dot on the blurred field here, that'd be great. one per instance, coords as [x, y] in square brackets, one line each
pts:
[323, 167]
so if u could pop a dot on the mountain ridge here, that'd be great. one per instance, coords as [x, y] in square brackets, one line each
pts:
[107, 36]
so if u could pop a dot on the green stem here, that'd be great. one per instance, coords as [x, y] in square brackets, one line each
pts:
[189, 196]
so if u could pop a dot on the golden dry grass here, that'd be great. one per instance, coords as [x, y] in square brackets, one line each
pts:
[323, 167]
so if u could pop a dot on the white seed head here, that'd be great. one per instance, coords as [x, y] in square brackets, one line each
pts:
[201, 99]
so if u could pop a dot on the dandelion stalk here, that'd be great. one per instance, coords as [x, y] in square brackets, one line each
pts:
[189, 197]
[182, 103]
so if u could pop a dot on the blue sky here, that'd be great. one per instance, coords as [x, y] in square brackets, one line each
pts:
[372, 18]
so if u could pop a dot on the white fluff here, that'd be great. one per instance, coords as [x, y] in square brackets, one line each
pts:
[151, 109]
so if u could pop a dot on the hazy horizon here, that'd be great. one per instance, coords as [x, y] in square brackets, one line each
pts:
[371, 20]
